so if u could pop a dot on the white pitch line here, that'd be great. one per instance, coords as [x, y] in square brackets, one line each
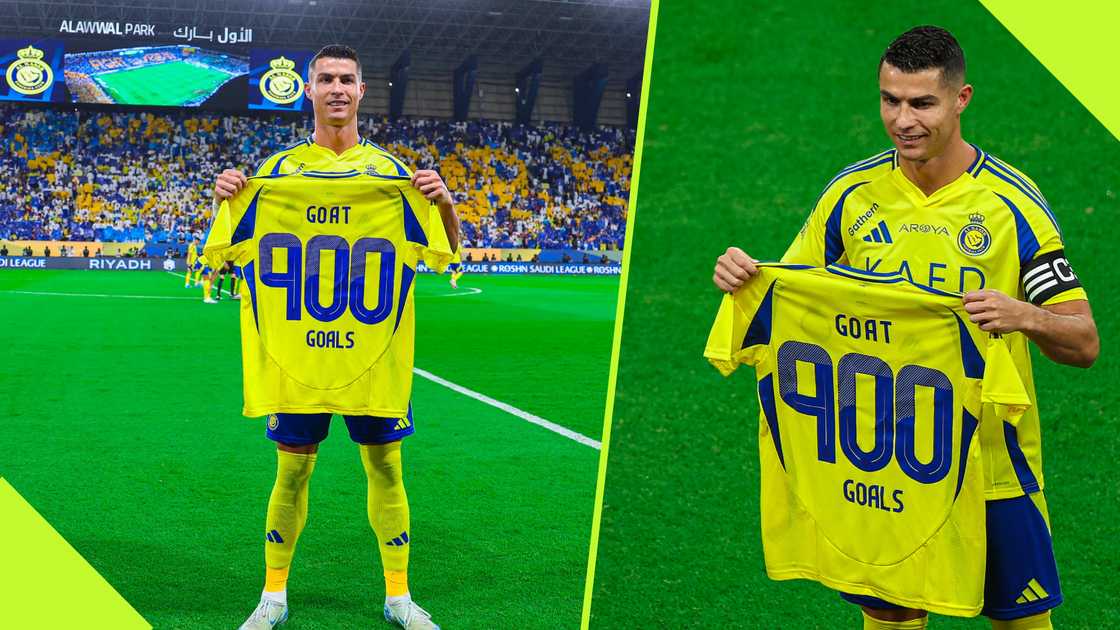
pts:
[175, 273]
[468, 291]
[510, 409]
[103, 295]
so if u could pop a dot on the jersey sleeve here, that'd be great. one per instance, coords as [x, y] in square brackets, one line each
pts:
[228, 240]
[1045, 274]
[741, 330]
[217, 248]
[424, 229]
[819, 243]
[807, 247]
[1002, 386]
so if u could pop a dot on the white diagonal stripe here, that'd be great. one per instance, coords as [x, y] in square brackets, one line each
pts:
[510, 409]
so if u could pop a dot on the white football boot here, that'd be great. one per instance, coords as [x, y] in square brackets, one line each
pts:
[267, 616]
[409, 616]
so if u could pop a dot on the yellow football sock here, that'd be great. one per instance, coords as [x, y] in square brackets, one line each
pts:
[387, 506]
[287, 514]
[871, 623]
[206, 288]
[1040, 621]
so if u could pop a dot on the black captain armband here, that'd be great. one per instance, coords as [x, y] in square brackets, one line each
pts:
[1046, 276]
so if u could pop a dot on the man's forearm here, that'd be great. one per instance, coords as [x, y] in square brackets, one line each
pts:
[450, 223]
[1065, 337]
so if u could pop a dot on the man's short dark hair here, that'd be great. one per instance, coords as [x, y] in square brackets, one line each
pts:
[925, 47]
[334, 51]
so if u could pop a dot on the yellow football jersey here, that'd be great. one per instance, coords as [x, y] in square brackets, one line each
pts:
[192, 254]
[871, 391]
[329, 260]
[306, 155]
[991, 228]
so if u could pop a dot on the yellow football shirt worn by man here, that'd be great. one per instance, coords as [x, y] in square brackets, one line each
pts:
[948, 215]
[871, 468]
[329, 233]
[192, 258]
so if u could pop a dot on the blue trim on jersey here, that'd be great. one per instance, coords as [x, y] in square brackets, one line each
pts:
[968, 428]
[331, 174]
[882, 158]
[1005, 167]
[1037, 197]
[1028, 242]
[973, 362]
[770, 411]
[974, 168]
[1041, 204]
[866, 272]
[891, 277]
[276, 167]
[412, 230]
[833, 241]
[285, 149]
[251, 280]
[248, 223]
[845, 271]
[407, 274]
[758, 333]
[1023, 470]
[401, 170]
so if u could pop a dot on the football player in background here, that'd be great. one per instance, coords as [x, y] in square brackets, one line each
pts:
[193, 268]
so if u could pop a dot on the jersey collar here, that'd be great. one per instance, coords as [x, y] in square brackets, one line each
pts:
[318, 147]
[951, 189]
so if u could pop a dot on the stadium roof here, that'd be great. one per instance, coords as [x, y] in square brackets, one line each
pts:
[568, 35]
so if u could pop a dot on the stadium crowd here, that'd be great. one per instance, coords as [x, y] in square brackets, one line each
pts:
[143, 176]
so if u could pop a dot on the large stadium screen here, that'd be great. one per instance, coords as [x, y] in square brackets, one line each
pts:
[180, 74]
[175, 75]
[32, 70]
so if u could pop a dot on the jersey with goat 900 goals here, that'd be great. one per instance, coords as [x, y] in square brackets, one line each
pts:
[870, 389]
[329, 260]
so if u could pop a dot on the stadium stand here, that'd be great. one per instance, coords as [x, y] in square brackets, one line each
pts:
[115, 176]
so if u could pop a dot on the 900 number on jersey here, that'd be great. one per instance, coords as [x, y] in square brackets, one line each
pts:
[895, 396]
[301, 277]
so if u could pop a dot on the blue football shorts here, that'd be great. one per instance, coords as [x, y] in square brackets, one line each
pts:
[301, 429]
[1022, 576]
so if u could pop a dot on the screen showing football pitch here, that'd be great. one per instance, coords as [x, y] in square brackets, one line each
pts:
[184, 76]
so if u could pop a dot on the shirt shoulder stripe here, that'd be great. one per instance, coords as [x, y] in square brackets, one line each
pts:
[401, 169]
[301, 143]
[1007, 177]
[886, 157]
[833, 240]
[1028, 242]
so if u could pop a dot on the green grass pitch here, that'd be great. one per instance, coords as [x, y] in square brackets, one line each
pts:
[172, 83]
[122, 426]
[753, 107]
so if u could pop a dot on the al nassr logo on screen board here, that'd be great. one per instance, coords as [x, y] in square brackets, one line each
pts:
[282, 84]
[29, 74]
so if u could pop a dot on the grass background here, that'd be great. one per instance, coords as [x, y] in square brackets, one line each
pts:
[172, 83]
[753, 107]
[121, 424]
